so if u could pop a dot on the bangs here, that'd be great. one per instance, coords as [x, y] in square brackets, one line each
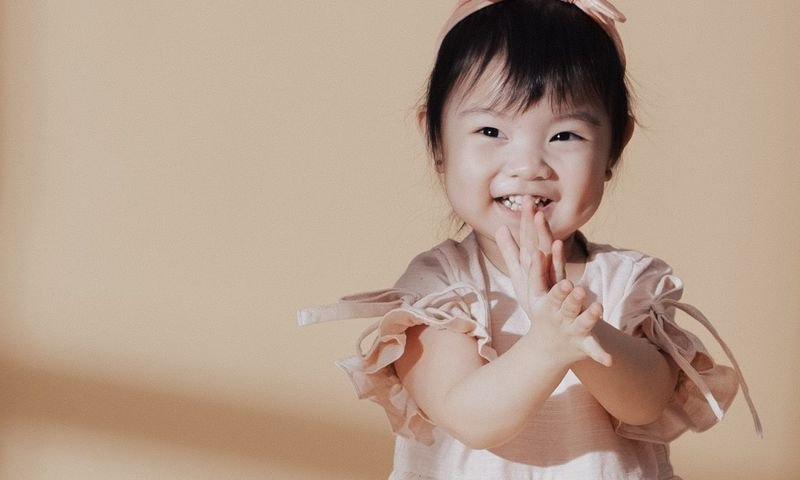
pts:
[519, 89]
[543, 48]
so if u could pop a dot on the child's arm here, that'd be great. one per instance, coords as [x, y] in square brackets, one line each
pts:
[486, 404]
[639, 383]
[637, 386]
[483, 404]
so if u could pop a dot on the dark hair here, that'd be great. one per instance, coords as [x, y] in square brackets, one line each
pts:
[547, 47]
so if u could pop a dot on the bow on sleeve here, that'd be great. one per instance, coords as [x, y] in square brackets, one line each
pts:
[705, 389]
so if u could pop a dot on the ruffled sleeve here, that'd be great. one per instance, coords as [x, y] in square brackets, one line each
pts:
[705, 389]
[460, 307]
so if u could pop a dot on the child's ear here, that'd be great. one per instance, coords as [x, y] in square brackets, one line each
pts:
[629, 128]
[422, 113]
[422, 124]
[626, 137]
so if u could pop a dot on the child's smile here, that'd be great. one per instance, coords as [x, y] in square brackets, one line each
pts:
[494, 157]
[514, 202]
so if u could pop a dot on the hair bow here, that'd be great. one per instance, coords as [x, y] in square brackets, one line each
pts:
[602, 11]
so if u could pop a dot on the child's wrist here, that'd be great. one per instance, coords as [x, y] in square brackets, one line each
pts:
[546, 353]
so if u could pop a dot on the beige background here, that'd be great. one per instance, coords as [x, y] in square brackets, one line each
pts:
[177, 177]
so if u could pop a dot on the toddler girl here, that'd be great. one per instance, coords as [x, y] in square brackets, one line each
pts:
[525, 351]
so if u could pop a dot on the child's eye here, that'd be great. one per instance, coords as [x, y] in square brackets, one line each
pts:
[490, 132]
[565, 136]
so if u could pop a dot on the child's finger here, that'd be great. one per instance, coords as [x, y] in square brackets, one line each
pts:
[544, 234]
[596, 352]
[560, 291]
[588, 319]
[509, 250]
[590, 346]
[527, 235]
[559, 262]
[573, 304]
[538, 284]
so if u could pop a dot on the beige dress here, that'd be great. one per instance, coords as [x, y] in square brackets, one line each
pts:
[454, 286]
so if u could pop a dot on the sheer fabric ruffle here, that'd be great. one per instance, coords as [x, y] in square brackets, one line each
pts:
[454, 308]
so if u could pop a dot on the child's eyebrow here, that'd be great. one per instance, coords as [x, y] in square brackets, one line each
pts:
[581, 115]
[490, 111]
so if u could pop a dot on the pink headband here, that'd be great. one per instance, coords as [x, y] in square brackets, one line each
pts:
[602, 11]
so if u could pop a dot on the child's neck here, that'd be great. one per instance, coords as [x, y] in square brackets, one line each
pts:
[577, 254]
[574, 246]
[575, 249]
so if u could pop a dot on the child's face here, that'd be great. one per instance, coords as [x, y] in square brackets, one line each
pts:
[558, 157]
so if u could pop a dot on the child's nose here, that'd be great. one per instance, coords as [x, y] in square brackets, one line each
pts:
[528, 166]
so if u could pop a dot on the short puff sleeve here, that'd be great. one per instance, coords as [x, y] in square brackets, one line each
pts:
[704, 388]
[460, 307]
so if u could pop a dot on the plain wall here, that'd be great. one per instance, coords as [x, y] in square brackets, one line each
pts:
[178, 177]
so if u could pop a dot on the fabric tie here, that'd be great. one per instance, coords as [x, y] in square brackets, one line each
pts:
[659, 314]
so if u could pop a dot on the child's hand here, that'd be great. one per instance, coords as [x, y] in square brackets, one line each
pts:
[560, 324]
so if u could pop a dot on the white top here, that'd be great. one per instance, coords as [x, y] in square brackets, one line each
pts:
[454, 286]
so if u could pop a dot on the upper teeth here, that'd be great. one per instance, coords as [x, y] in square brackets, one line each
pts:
[514, 202]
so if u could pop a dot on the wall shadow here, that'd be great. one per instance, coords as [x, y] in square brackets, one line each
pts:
[286, 439]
